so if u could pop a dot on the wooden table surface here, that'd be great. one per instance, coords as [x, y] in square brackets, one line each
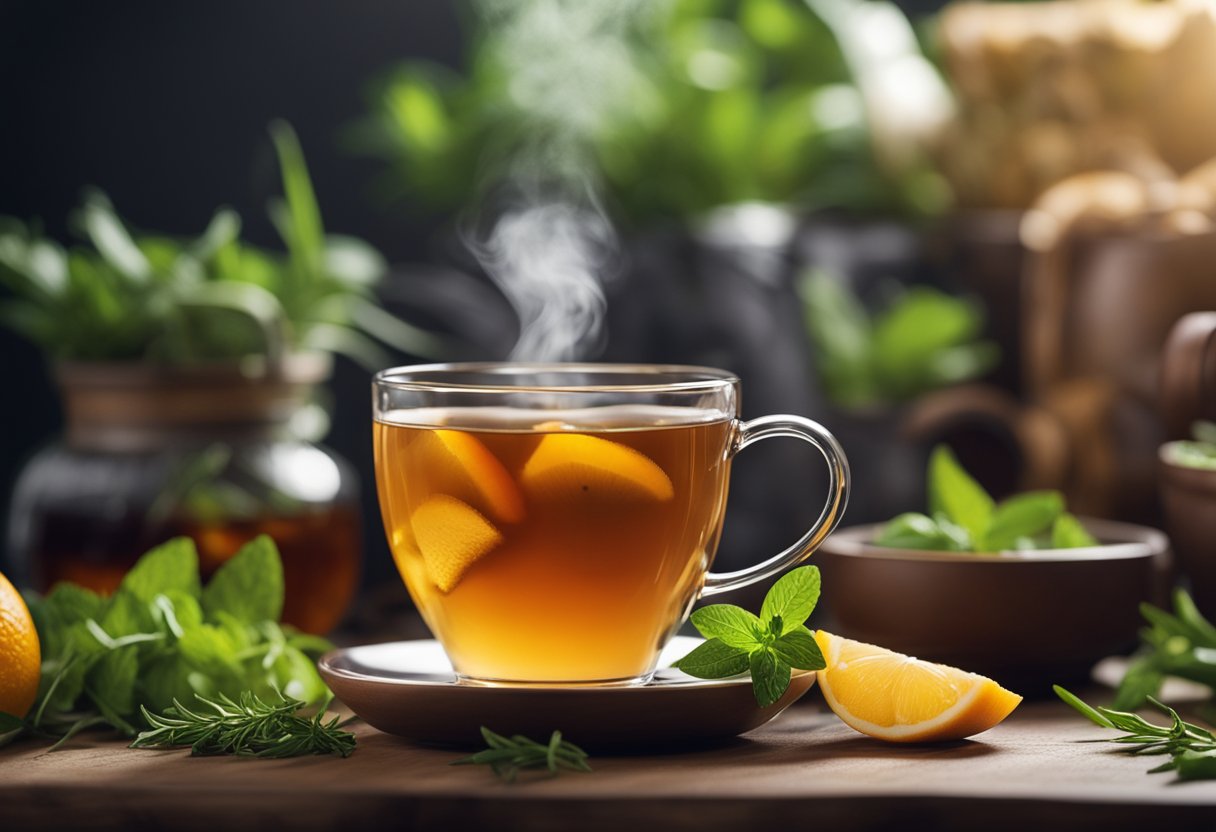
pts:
[806, 768]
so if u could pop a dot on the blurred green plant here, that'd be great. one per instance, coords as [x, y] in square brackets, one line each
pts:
[671, 109]
[923, 340]
[963, 517]
[133, 297]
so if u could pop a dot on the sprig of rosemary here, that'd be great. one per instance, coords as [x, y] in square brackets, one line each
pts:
[249, 728]
[507, 757]
[1192, 748]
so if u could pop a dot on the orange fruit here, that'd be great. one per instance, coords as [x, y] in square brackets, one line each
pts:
[894, 697]
[569, 465]
[452, 536]
[457, 463]
[20, 655]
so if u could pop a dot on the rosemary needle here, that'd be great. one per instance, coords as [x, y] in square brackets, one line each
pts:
[1191, 748]
[249, 727]
[506, 757]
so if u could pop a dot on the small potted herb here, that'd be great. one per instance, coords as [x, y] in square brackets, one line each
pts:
[1019, 590]
[189, 372]
[1188, 495]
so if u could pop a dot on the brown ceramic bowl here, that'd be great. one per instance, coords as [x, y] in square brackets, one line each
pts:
[1027, 619]
[1188, 495]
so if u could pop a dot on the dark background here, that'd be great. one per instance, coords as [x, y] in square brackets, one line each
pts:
[164, 105]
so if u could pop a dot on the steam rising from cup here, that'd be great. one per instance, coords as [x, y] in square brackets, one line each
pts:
[549, 258]
[549, 246]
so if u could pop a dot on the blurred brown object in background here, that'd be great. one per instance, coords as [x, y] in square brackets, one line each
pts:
[1048, 90]
[985, 255]
[1115, 260]
[1110, 261]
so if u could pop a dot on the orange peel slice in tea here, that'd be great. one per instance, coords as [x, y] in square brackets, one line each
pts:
[452, 536]
[573, 464]
[898, 698]
[458, 464]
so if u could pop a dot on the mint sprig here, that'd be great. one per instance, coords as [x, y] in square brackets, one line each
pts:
[768, 646]
[164, 638]
[964, 518]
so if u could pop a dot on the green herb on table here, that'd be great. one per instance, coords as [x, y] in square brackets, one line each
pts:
[248, 727]
[506, 757]
[964, 518]
[1181, 644]
[1191, 748]
[163, 638]
[768, 646]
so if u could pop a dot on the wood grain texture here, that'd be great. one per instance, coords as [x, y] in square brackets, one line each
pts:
[806, 769]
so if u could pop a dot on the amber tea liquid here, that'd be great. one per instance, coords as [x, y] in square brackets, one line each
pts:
[553, 546]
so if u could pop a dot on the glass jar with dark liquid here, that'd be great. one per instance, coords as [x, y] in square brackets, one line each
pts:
[150, 454]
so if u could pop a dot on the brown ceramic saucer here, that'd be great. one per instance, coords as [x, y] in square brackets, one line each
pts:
[407, 688]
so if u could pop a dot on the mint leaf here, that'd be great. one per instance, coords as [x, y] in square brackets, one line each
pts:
[249, 586]
[713, 660]
[1068, 533]
[295, 676]
[66, 674]
[112, 680]
[212, 650]
[793, 597]
[729, 624]
[914, 531]
[127, 615]
[798, 649]
[770, 676]
[176, 612]
[172, 565]
[65, 605]
[1025, 515]
[170, 677]
[69, 603]
[953, 492]
[958, 538]
[308, 644]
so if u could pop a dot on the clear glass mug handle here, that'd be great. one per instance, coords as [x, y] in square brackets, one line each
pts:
[768, 427]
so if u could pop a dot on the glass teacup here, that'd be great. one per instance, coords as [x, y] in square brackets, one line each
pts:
[555, 523]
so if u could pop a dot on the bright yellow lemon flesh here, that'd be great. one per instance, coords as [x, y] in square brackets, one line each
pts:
[574, 465]
[897, 698]
[452, 536]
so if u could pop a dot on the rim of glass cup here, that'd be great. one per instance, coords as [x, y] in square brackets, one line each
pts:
[698, 379]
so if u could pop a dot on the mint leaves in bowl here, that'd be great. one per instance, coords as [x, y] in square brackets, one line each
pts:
[964, 517]
[1018, 590]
